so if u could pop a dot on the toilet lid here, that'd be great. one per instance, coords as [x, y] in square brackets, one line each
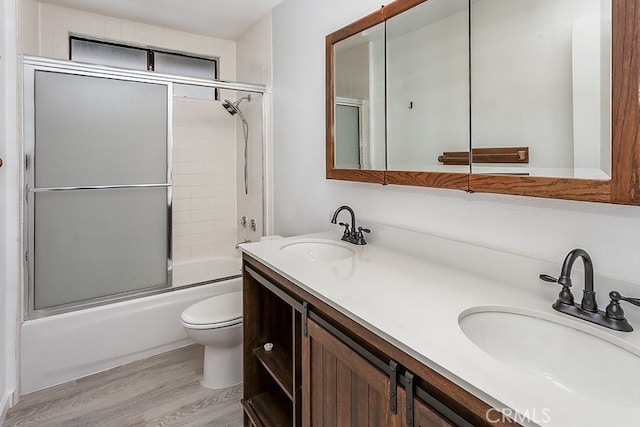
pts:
[224, 308]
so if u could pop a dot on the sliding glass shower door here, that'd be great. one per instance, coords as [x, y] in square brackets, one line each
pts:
[99, 188]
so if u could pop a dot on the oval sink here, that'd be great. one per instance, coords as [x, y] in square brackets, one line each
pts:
[572, 359]
[318, 250]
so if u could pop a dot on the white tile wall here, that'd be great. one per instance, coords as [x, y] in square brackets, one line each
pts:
[204, 180]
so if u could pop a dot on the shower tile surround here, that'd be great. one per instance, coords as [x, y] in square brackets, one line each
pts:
[204, 180]
[207, 166]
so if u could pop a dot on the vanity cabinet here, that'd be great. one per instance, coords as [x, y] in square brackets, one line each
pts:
[341, 387]
[326, 369]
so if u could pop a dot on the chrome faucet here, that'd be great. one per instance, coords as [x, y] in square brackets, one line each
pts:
[351, 233]
[612, 318]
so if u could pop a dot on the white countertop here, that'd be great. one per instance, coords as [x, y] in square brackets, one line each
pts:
[415, 304]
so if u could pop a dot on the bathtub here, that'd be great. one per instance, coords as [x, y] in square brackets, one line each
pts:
[72, 345]
[200, 270]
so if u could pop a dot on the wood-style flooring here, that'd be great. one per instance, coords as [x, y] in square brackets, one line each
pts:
[163, 390]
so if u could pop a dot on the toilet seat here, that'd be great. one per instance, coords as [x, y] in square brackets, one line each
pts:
[219, 311]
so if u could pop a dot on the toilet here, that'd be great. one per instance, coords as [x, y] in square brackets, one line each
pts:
[216, 322]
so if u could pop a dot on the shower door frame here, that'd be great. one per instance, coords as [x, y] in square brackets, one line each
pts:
[32, 64]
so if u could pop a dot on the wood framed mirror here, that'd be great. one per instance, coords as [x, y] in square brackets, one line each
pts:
[376, 145]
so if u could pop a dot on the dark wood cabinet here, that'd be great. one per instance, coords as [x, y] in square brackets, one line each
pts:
[339, 386]
[325, 369]
[268, 375]
[424, 416]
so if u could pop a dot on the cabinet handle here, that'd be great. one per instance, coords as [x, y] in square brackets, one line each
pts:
[1, 162]
[409, 387]
[393, 386]
[305, 318]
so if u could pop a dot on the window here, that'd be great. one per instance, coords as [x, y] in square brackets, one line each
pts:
[139, 58]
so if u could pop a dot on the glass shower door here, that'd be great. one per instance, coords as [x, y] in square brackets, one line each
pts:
[99, 189]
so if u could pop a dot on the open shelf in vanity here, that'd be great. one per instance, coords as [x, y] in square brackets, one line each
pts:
[278, 363]
[270, 316]
[267, 409]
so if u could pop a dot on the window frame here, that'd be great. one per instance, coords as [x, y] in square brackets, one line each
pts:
[150, 55]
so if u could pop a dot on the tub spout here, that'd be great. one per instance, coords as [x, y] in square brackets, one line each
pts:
[239, 243]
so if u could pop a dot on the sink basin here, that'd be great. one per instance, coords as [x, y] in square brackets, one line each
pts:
[575, 360]
[318, 250]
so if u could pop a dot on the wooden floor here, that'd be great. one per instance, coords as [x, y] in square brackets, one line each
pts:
[163, 390]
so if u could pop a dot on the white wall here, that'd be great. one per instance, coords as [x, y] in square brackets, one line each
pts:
[305, 200]
[8, 203]
[29, 27]
[57, 22]
[352, 72]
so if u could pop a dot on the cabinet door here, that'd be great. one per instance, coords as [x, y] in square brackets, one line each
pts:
[423, 414]
[340, 388]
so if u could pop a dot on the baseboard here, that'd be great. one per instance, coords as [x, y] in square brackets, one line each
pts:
[6, 400]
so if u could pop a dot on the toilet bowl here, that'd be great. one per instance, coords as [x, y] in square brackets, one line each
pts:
[216, 323]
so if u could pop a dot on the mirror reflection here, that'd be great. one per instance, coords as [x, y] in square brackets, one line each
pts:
[524, 84]
[359, 129]
[540, 78]
[428, 85]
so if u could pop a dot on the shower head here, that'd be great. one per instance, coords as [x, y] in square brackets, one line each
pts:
[232, 107]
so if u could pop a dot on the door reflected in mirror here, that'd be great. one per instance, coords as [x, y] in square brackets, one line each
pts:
[359, 104]
[352, 134]
[540, 78]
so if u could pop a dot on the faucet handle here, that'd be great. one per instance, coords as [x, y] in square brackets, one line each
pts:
[565, 296]
[616, 298]
[615, 313]
[548, 278]
[614, 310]
[346, 228]
[634, 301]
[359, 236]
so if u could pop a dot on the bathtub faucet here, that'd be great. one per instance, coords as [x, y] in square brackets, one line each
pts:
[245, 241]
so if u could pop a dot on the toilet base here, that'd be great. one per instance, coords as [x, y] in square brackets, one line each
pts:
[222, 366]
